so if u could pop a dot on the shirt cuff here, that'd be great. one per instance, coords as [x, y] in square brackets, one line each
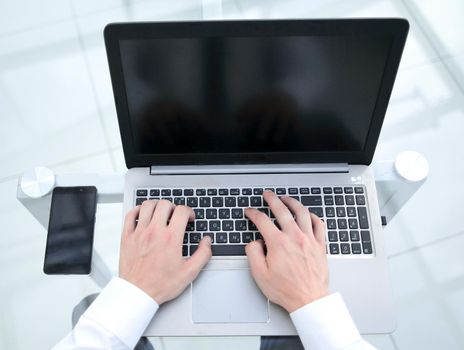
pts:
[124, 310]
[325, 324]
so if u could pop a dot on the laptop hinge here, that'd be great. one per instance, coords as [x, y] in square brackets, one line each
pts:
[249, 169]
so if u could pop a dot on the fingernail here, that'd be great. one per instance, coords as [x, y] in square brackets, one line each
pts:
[208, 239]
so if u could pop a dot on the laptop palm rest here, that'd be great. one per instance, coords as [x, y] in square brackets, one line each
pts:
[228, 296]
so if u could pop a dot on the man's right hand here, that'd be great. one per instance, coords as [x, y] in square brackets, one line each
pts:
[295, 271]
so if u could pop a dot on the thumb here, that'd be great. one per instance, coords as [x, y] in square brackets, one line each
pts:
[257, 259]
[201, 256]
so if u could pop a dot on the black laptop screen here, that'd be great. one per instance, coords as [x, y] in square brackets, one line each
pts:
[252, 94]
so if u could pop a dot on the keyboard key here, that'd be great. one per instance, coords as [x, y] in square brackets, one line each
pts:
[212, 192]
[367, 247]
[255, 201]
[221, 237]
[257, 191]
[205, 201]
[200, 192]
[334, 248]
[165, 192]
[218, 201]
[342, 225]
[179, 200]
[304, 190]
[328, 200]
[223, 191]
[327, 190]
[227, 225]
[243, 202]
[365, 236]
[177, 192]
[362, 215]
[360, 200]
[251, 226]
[264, 210]
[240, 225]
[215, 225]
[185, 238]
[139, 201]
[156, 193]
[293, 190]
[356, 248]
[195, 237]
[237, 213]
[258, 236]
[201, 225]
[353, 224]
[354, 235]
[247, 191]
[210, 234]
[142, 193]
[188, 192]
[281, 191]
[338, 190]
[247, 237]
[230, 201]
[234, 237]
[345, 248]
[339, 200]
[234, 191]
[190, 226]
[330, 212]
[341, 212]
[348, 190]
[332, 236]
[211, 213]
[311, 200]
[167, 198]
[331, 224]
[199, 213]
[358, 190]
[344, 236]
[315, 190]
[192, 202]
[349, 199]
[317, 211]
[228, 249]
[154, 198]
[224, 213]
[270, 189]
[351, 211]
[184, 250]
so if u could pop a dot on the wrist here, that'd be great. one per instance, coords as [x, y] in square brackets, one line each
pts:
[303, 300]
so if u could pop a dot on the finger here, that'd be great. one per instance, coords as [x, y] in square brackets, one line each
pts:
[264, 224]
[162, 213]
[255, 253]
[179, 219]
[302, 216]
[280, 210]
[130, 221]
[318, 229]
[199, 259]
[146, 213]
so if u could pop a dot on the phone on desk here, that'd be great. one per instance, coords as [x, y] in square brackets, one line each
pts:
[70, 231]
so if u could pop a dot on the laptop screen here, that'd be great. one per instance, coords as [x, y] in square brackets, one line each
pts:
[252, 94]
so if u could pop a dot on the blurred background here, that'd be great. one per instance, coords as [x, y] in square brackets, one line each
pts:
[57, 110]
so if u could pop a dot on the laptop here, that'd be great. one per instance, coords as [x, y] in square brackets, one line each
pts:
[212, 113]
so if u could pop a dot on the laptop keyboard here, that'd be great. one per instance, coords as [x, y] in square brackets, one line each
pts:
[219, 213]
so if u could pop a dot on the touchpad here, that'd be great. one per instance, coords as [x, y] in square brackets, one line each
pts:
[228, 296]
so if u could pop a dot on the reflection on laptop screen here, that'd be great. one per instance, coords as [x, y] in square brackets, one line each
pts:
[252, 94]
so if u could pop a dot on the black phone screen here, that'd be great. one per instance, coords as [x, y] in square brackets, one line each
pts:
[70, 230]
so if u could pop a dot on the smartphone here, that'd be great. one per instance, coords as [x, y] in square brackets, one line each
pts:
[70, 231]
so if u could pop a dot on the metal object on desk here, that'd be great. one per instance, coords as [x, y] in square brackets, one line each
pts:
[396, 182]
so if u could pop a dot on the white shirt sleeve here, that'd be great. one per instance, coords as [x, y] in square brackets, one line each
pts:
[115, 320]
[327, 324]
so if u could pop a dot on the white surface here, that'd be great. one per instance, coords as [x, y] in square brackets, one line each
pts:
[412, 166]
[40, 41]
